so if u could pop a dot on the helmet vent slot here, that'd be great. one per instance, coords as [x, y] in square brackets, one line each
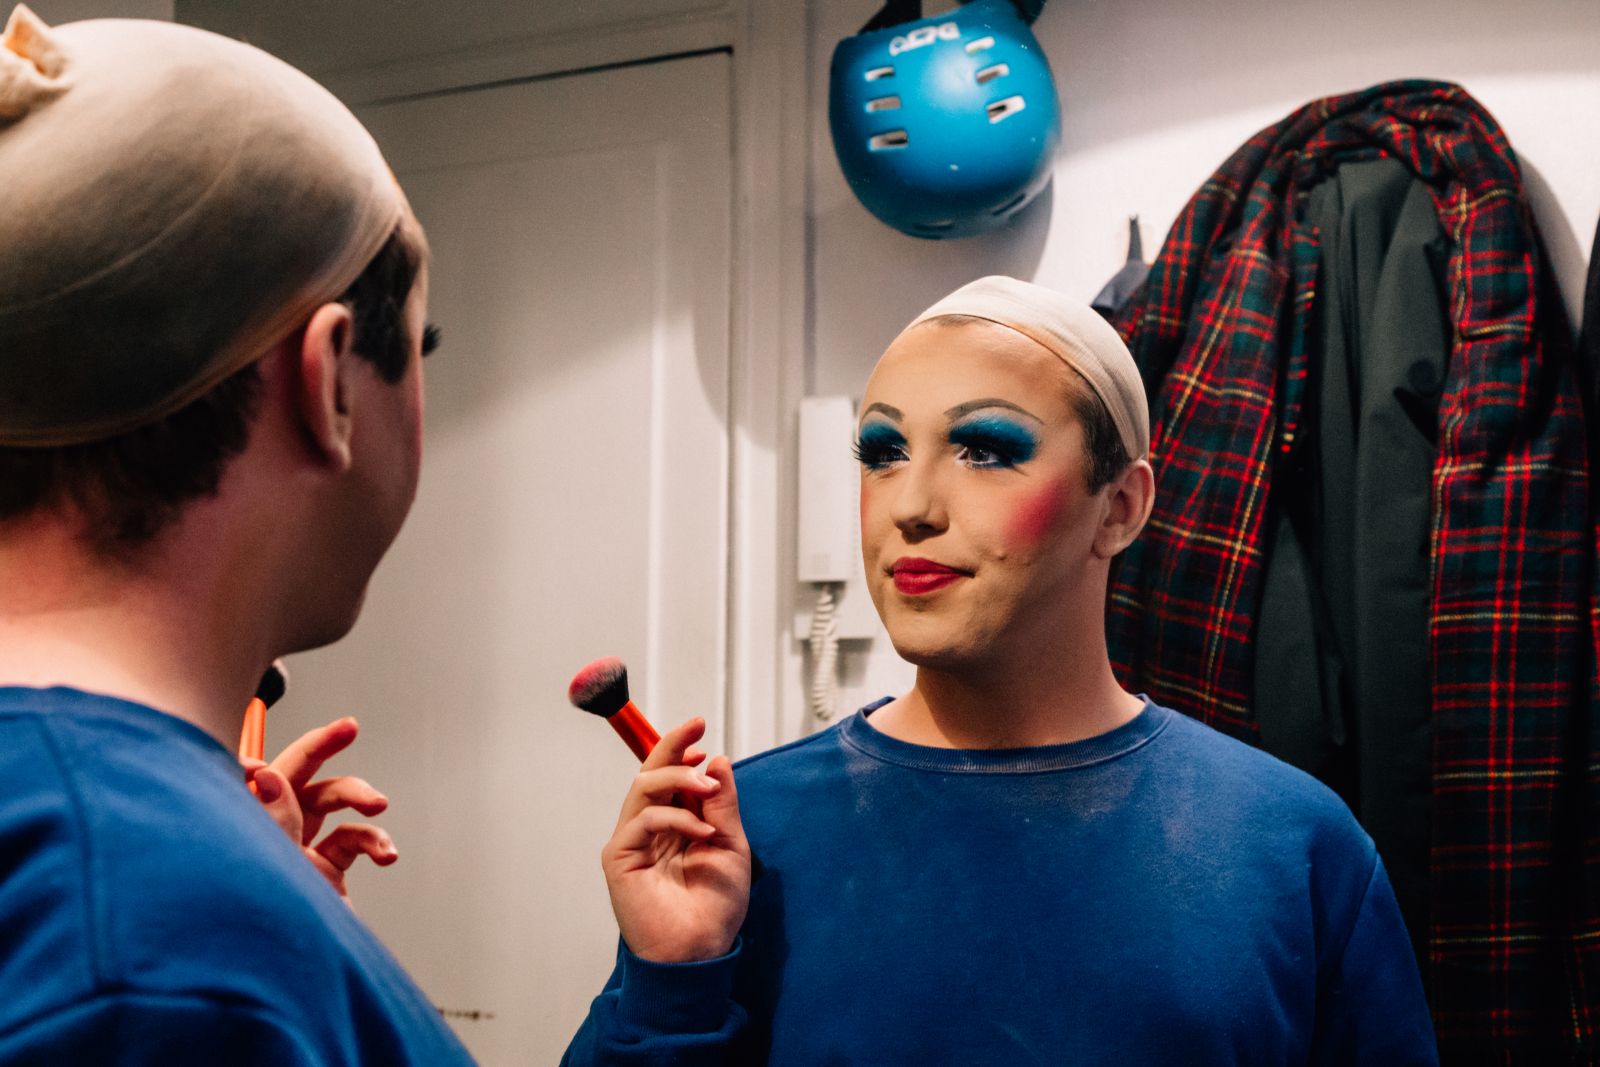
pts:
[885, 141]
[1004, 109]
[982, 44]
[884, 103]
[989, 74]
[879, 73]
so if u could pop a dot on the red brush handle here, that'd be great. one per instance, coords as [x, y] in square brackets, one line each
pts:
[631, 725]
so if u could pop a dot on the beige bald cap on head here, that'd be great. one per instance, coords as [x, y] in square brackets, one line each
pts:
[175, 203]
[1073, 332]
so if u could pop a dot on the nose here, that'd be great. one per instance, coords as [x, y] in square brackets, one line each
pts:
[918, 508]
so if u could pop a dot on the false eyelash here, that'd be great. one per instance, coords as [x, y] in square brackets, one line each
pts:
[430, 338]
[873, 455]
[877, 450]
[1006, 442]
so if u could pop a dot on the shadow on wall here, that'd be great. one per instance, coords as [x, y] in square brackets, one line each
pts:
[1569, 258]
[892, 277]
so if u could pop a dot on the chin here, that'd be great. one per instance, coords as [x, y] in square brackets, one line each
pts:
[935, 647]
[330, 622]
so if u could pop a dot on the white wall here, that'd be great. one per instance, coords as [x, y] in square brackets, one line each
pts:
[1154, 96]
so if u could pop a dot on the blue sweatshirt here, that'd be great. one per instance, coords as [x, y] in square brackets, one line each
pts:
[1158, 894]
[152, 913]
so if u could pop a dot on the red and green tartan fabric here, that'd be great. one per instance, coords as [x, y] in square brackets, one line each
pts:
[1221, 331]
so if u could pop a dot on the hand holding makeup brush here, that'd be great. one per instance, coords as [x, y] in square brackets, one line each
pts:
[679, 876]
[300, 805]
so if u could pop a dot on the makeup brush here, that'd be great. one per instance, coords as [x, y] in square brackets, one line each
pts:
[253, 737]
[601, 689]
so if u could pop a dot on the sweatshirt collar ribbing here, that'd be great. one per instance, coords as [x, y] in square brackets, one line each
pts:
[861, 735]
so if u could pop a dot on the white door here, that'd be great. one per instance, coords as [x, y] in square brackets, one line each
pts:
[573, 504]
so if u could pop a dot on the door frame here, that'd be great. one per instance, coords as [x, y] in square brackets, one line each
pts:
[769, 325]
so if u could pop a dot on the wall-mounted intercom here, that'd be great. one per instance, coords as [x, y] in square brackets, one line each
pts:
[831, 602]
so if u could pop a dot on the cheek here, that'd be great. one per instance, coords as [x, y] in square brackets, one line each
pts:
[417, 416]
[1037, 517]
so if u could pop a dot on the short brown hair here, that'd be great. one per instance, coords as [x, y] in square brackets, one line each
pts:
[132, 486]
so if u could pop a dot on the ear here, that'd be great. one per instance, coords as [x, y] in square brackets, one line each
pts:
[325, 395]
[1129, 498]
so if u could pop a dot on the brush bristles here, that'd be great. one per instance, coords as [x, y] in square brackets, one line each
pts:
[274, 683]
[601, 688]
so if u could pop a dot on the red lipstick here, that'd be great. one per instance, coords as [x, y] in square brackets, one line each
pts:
[916, 577]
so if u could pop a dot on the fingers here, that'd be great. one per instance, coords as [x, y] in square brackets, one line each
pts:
[306, 755]
[721, 808]
[318, 800]
[674, 744]
[637, 834]
[657, 786]
[251, 765]
[345, 844]
[272, 789]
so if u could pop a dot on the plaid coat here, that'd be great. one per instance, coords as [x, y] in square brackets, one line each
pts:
[1221, 331]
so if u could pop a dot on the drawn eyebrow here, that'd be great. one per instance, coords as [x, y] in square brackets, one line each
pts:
[978, 405]
[894, 413]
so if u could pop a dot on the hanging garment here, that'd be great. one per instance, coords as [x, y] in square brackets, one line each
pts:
[1341, 671]
[1225, 331]
[1116, 293]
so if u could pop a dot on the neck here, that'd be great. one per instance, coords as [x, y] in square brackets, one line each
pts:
[170, 627]
[1067, 693]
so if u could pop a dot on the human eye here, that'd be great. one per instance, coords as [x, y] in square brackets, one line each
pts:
[993, 443]
[878, 445]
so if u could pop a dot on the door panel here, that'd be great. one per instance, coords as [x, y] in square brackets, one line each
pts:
[573, 504]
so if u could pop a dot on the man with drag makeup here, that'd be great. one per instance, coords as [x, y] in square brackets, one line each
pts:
[1017, 861]
[212, 295]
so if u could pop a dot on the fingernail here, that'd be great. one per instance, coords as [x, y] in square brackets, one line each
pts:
[709, 782]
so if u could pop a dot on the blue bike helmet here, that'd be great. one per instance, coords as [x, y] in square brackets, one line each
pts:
[945, 126]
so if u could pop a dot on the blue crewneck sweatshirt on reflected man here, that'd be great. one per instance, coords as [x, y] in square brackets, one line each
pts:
[1159, 894]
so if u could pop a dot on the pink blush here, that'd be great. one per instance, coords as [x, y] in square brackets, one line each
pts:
[1037, 516]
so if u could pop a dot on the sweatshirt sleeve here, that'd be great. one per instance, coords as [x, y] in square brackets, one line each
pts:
[173, 1030]
[1370, 1005]
[661, 1013]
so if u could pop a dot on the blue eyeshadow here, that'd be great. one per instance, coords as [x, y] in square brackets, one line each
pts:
[1011, 442]
[881, 433]
[878, 444]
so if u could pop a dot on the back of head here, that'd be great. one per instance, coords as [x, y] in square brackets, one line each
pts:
[177, 202]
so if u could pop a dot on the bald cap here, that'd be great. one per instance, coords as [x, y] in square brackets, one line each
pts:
[176, 203]
[1073, 332]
